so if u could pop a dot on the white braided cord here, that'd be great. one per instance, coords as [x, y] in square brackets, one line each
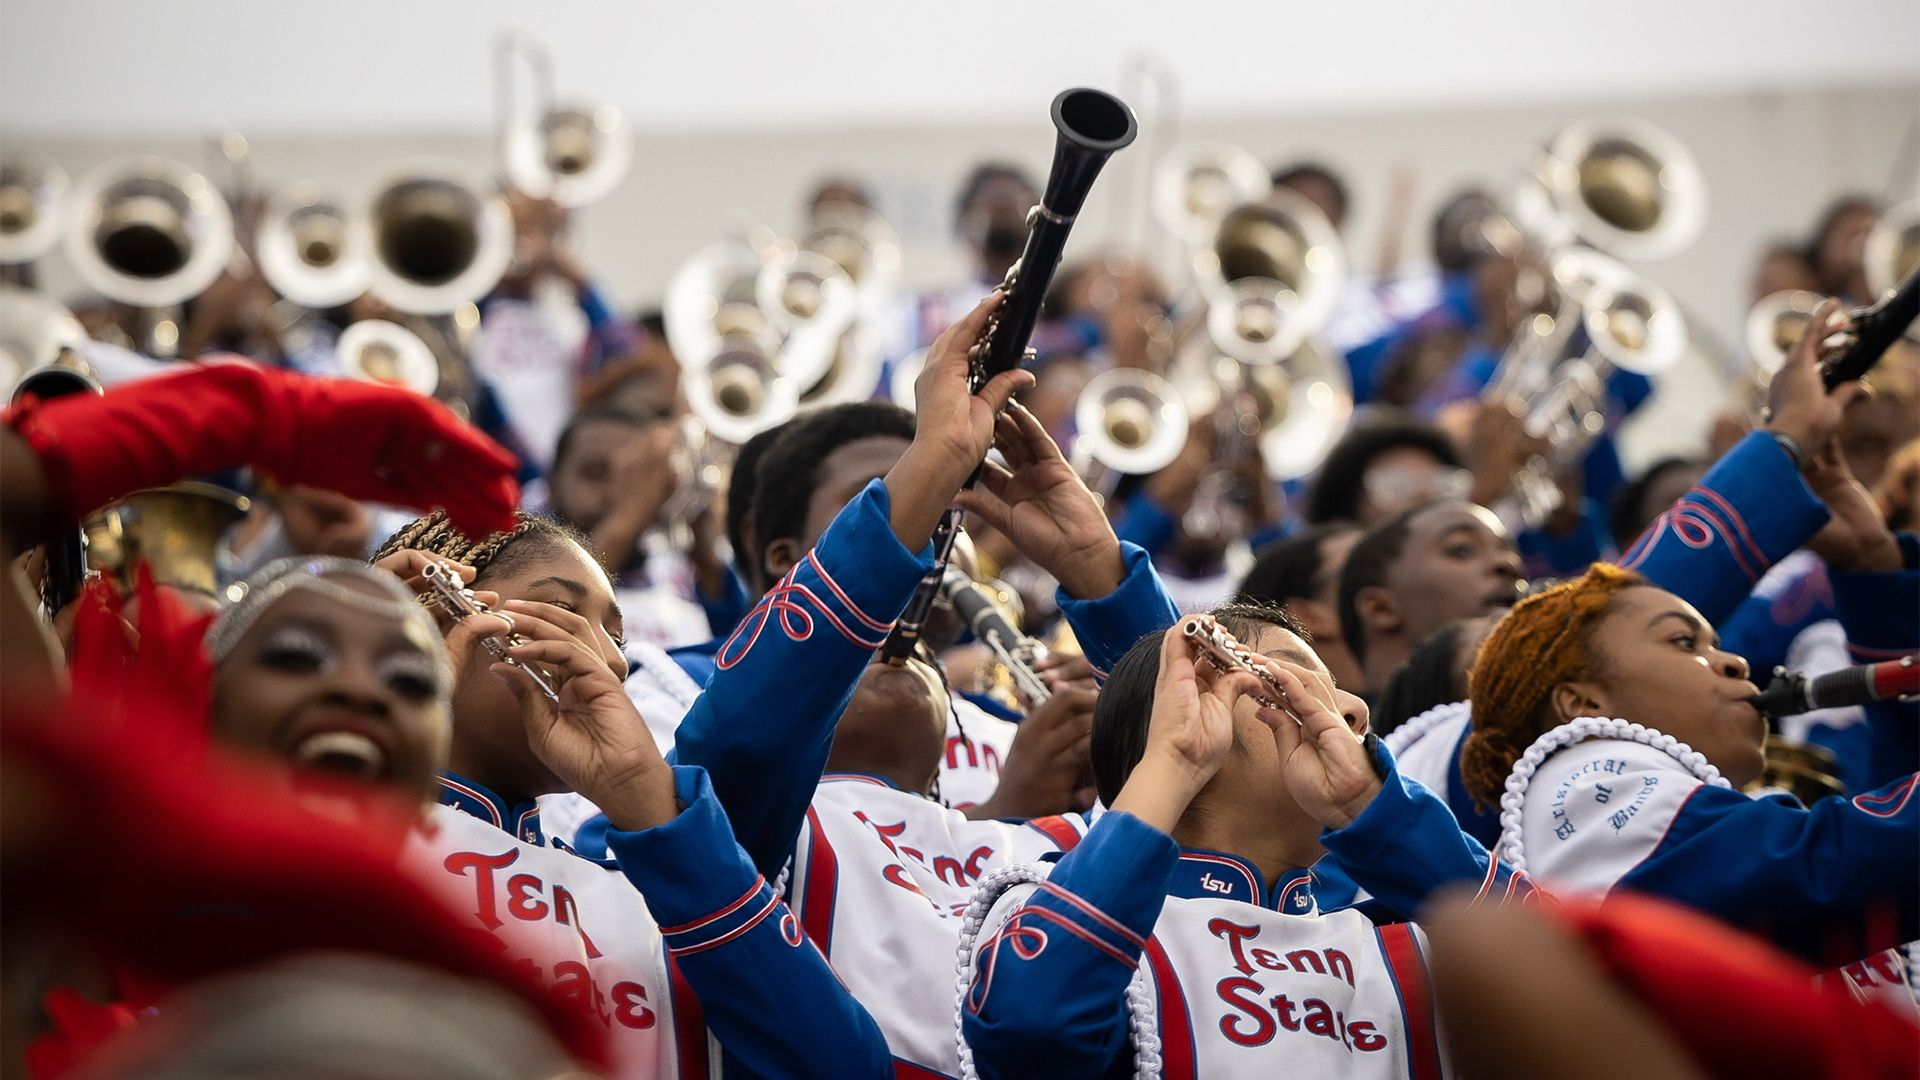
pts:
[1142, 1016]
[1417, 727]
[1511, 848]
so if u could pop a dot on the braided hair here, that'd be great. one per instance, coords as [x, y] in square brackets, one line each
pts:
[435, 535]
[1540, 644]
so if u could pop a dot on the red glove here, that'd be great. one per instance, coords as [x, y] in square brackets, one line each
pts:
[378, 443]
[1740, 1008]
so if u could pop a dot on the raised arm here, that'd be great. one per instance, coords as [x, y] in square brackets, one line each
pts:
[1108, 589]
[764, 725]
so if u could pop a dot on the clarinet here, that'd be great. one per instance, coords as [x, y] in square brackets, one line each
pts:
[1873, 331]
[1090, 126]
[1015, 651]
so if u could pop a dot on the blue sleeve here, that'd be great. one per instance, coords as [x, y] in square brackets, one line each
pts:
[1406, 845]
[764, 724]
[1832, 883]
[725, 611]
[1749, 511]
[1549, 555]
[765, 992]
[1880, 613]
[1108, 626]
[1062, 1011]
[1143, 521]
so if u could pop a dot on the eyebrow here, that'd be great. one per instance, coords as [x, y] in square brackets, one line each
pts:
[1292, 656]
[578, 590]
[1698, 627]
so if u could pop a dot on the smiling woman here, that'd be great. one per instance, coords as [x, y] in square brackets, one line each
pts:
[329, 664]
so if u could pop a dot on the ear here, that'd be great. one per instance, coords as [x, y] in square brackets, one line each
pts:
[780, 557]
[1578, 698]
[1379, 610]
[1319, 618]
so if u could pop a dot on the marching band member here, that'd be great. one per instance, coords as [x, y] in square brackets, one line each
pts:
[1302, 574]
[1188, 917]
[1614, 735]
[669, 933]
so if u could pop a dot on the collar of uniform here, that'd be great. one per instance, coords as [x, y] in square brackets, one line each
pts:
[862, 777]
[1216, 875]
[523, 821]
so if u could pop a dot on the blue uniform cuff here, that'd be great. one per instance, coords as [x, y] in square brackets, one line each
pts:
[1108, 626]
[689, 869]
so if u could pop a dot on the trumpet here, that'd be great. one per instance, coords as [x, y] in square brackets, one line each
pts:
[149, 233]
[1621, 185]
[34, 194]
[1129, 423]
[374, 350]
[309, 250]
[438, 238]
[574, 153]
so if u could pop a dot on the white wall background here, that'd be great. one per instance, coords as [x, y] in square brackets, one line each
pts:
[738, 106]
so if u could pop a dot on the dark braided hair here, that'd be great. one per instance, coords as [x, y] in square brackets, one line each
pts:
[1540, 644]
[435, 535]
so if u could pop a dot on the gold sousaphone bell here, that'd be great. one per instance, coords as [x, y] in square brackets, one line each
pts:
[176, 530]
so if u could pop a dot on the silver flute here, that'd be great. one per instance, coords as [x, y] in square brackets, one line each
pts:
[451, 595]
[1223, 652]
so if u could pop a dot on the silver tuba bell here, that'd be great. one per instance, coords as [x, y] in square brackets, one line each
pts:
[438, 238]
[1621, 185]
[36, 331]
[1774, 326]
[33, 198]
[1128, 422]
[148, 232]
[1275, 266]
[1195, 186]
[308, 249]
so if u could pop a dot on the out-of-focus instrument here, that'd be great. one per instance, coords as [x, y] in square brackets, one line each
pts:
[867, 252]
[1090, 125]
[36, 331]
[1621, 185]
[1128, 422]
[309, 250]
[438, 238]
[151, 234]
[1892, 251]
[175, 530]
[1872, 331]
[1774, 325]
[66, 563]
[792, 305]
[1625, 323]
[1792, 692]
[451, 595]
[378, 351]
[1267, 267]
[1805, 771]
[732, 395]
[34, 195]
[573, 152]
[1016, 653]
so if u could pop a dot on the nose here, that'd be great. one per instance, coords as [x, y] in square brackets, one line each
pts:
[355, 685]
[1732, 665]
